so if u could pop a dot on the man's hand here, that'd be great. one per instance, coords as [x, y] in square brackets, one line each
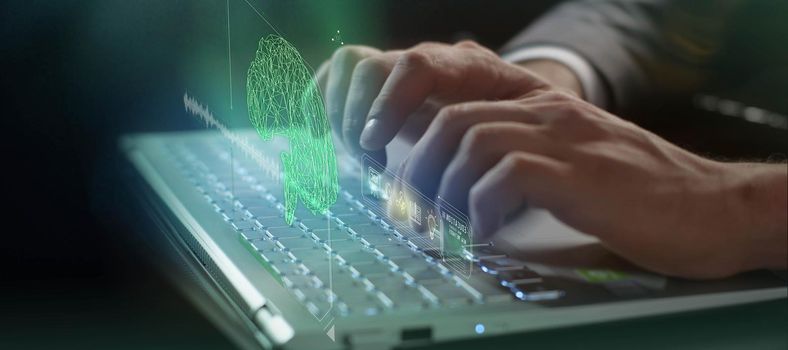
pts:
[371, 95]
[651, 202]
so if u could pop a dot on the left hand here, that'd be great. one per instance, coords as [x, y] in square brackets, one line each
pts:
[651, 202]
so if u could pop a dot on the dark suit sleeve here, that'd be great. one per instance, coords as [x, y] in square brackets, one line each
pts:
[643, 50]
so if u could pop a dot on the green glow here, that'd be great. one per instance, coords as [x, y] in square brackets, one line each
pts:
[598, 276]
[284, 100]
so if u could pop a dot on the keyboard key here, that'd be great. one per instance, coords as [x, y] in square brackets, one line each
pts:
[272, 221]
[321, 233]
[368, 305]
[286, 232]
[435, 254]
[317, 301]
[259, 212]
[535, 292]
[351, 291]
[475, 294]
[497, 265]
[347, 245]
[235, 215]
[252, 234]
[343, 209]
[394, 250]
[429, 273]
[297, 280]
[521, 276]
[305, 214]
[355, 219]
[375, 267]
[365, 229]
[487, 253]
[358, 256]
[243, 225]
[489, 288]
[380, 239]
[384, 299]
[264, 245]
[318, 265]
[410, 262]
[243, 190]
[300, 244]
[406, 298]
[274, 255]
[223, 206]
[316, 260]
[448, 293]
[285, 267]
[428, 296]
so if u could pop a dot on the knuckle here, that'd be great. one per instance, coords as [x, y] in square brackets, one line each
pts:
[471, 44]
[335, 111]
[556, 95]
[587, 128]
[347, 54]
[347, 129]
[427, 45]
[476, 137]
[413, 59]
[568, 93]
[351, 128]
[514, 163]
[448, 115]
[567, 117]
[452, 118]
[370, 66]
[595, 160]
[447, 122]
[536, 94]
[577, 105]
[477, 197]
[444, 119]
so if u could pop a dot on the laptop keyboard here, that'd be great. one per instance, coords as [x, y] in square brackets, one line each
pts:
[350, 260]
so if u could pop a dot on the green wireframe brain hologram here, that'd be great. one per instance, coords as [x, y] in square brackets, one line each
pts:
[284, 100]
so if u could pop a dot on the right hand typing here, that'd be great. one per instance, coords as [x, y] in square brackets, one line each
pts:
[371, 95]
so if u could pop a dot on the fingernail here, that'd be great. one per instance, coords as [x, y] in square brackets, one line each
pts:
[368, 134]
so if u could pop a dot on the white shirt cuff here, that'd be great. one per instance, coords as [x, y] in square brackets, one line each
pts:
[593, 90]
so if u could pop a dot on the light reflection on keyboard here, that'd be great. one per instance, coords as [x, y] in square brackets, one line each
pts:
[373, 267]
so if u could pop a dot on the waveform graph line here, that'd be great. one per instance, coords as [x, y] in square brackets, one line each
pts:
[268, 165]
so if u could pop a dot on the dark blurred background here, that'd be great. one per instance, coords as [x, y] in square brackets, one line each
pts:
[78, 74]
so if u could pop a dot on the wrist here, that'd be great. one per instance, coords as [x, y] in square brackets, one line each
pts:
[555, 74]
[758, 196]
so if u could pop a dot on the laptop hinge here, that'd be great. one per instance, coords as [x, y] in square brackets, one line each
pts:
[273, 326]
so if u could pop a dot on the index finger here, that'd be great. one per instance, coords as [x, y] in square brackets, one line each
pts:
[448, 74]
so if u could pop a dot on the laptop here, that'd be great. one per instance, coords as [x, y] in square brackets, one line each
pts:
[358, 277]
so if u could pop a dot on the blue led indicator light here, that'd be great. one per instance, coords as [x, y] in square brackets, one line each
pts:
[479, 328]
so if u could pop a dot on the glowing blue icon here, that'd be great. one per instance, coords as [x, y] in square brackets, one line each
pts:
[479, 328]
